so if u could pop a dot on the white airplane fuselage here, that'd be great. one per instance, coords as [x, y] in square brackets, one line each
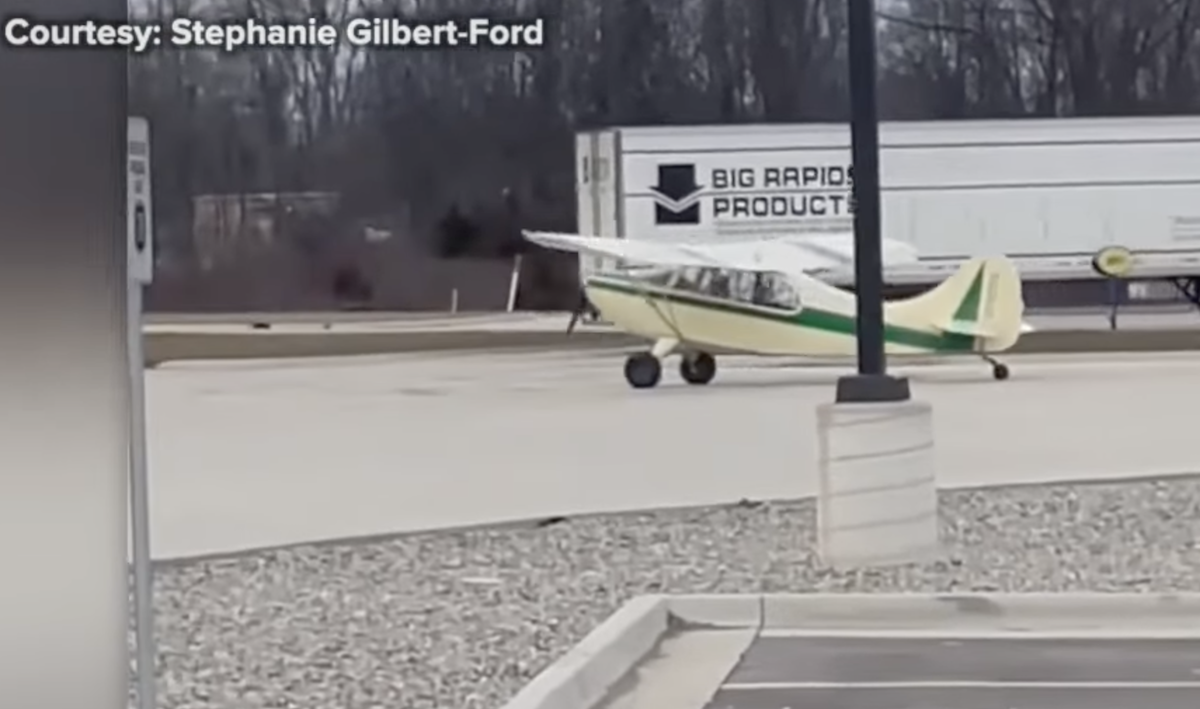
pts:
[822, 321]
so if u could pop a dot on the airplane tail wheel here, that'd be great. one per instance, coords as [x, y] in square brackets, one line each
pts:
[698, 368]
[1000, 371]
[643, 370]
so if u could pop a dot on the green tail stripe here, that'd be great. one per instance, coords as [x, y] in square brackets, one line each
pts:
[968, 309]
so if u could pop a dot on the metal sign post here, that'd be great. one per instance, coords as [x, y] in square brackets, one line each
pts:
[872, 383]
[140, 250]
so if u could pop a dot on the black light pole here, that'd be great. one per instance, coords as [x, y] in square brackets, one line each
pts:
[871, 384]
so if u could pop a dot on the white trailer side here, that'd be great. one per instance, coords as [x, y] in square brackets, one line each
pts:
[598, 189]
[1047, 192]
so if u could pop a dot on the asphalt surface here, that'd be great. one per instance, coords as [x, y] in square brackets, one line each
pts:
[406, 443]
[233, 337]
[983, 673]
[952, 698]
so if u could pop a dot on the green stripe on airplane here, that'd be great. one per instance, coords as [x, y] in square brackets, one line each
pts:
[968, 309]
[812, 318]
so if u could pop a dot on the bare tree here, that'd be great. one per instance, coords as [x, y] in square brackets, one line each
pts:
[401, 136]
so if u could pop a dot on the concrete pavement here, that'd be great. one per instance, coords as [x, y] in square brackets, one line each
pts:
[252, 454]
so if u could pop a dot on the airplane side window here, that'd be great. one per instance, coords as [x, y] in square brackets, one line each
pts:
[771, 290]
[783, 293]
[741, 287]
[684, 279]
[766, 290]
[719, 288]
[762, 289]
[696, 279]
[660, 278]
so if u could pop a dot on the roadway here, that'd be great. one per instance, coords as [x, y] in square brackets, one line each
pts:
[263, 453]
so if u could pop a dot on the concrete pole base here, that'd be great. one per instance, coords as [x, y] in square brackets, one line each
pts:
[877, 492]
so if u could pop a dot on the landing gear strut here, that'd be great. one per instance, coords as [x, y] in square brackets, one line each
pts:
[643, 370]
[999, 369]
[698, 368]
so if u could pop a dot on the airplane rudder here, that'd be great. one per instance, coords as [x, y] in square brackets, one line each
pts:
[969, 287]
[1003, 306]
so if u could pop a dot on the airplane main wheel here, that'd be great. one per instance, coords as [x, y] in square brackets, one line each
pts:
[643, 370]
[698, 368]
[1000, 371]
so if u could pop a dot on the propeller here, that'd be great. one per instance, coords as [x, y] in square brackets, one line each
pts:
[577, 314]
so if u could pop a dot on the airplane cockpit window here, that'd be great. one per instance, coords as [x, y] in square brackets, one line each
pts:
[768, 290]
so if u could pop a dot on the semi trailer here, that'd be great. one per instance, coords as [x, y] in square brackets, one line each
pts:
[1048, 193]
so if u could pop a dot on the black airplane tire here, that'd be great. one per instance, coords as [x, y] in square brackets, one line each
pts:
[643, 370]
[1000, 372]
[698, 368]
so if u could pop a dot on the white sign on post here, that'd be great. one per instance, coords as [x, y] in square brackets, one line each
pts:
[140, 223]
[140, 260]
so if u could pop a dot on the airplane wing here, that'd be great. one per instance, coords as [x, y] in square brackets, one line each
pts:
[643, 252]
[786, 255]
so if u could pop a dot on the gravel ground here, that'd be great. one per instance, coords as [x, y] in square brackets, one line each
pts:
[463, 620]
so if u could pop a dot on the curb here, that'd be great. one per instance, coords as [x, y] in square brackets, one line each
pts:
[583, 677]
[176, 346]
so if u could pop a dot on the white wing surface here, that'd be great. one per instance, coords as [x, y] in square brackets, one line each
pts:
[823, 252]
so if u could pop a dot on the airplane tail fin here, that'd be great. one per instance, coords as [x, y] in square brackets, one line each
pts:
[982, 300]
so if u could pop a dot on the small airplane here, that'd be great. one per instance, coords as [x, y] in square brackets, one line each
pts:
[824, 254]
[765, 298]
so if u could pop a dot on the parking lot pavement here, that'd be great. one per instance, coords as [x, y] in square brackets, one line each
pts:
[998, 697]
[979, 673]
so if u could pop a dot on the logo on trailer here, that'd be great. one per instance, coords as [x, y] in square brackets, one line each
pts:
[676, 196]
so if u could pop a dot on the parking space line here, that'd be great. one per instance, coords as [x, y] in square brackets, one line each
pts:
[753, 686]
[1133, 632]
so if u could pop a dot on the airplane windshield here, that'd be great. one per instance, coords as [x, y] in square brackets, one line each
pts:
[763, 289]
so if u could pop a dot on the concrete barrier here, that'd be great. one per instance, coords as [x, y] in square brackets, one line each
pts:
[174, 346]
[877, 502]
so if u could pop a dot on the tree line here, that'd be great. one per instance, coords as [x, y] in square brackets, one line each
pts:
[424, 165]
